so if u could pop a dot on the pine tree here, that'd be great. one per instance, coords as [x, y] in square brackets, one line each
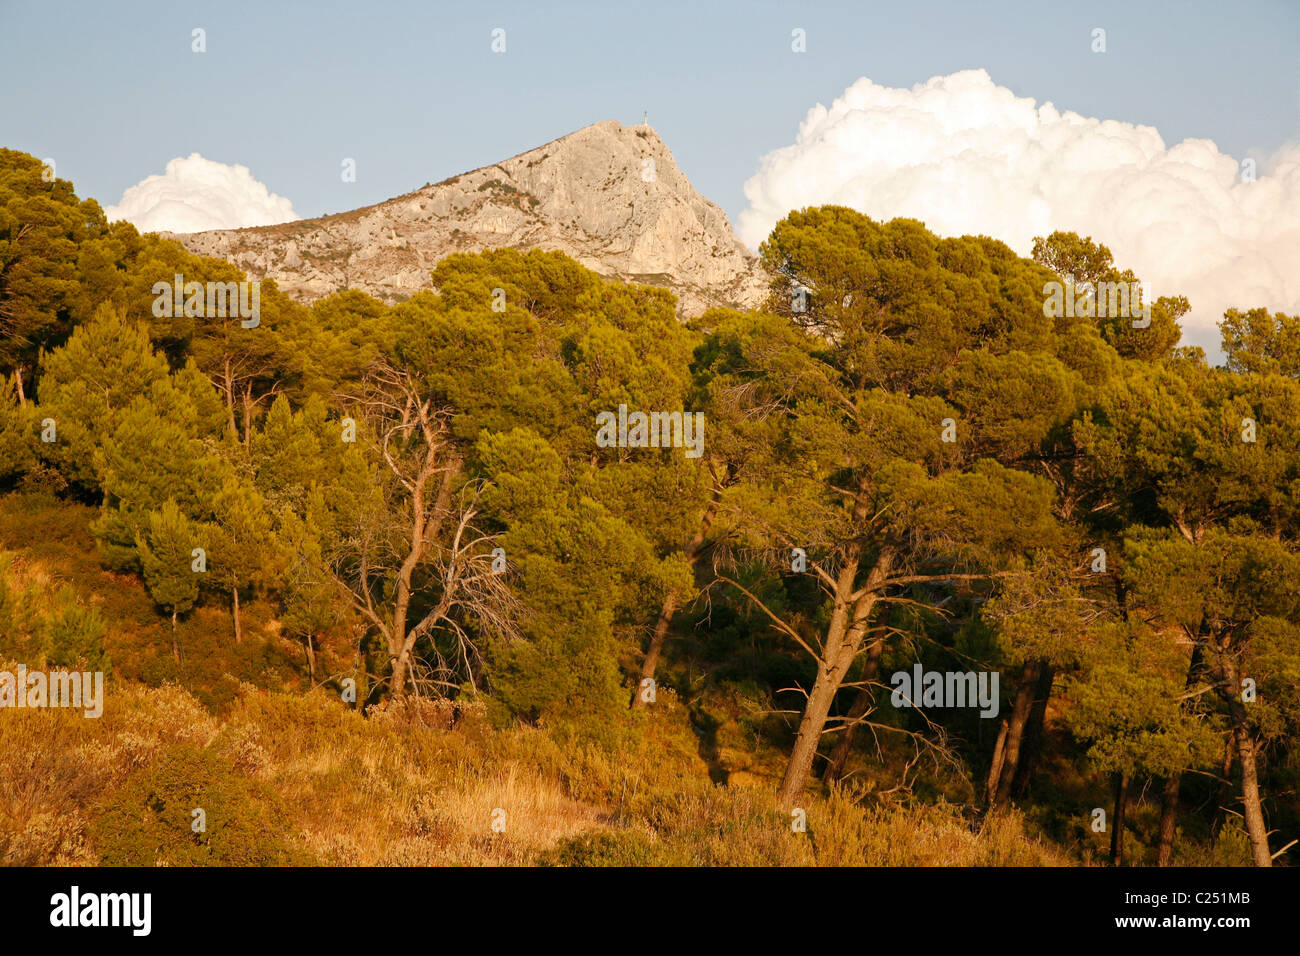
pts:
[913, 340]
[244, 552]
[1202, 465]
[169, 562]
[43, 228]
[88, 383]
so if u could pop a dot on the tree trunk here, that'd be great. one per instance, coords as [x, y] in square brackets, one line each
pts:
[995, 768]
[1015, 734]
[228, 392]
[652, 652]
[1168, 819]
[426, 522]
[397, 687]
[176, 650]
[311, 657]
[692, 554]
[234, 608]
[844, 634]
[248, 413]
[18, 382]
[861, 705]
[1256, 828]
[1034, 732]
[827, 682]
[1117, 820]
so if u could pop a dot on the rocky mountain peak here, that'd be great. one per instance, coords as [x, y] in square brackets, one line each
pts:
[610, 196]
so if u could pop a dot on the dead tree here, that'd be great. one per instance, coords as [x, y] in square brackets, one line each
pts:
[416, 565]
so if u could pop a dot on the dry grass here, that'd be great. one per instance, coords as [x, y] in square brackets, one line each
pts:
[405, 787]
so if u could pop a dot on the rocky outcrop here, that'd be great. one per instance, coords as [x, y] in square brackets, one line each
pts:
[608, 195]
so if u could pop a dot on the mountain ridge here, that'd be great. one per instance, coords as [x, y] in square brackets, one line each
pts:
[610, 196]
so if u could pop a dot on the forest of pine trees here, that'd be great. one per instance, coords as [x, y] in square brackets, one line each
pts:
[907, 463]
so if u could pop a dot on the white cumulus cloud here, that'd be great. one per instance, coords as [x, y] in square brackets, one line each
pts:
[196, 194]
[967, 156]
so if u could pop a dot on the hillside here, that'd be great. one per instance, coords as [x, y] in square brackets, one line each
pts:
[876, 588]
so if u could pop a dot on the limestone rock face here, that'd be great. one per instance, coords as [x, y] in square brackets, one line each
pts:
[608, 195]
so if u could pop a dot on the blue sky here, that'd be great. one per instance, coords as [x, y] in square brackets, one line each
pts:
[413, 92]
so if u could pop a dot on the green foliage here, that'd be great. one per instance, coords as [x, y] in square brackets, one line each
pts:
[623, 848]
[347, 332]
[243, 551]
[1256, 341]
[166, 550]
[53, 248]
[75, 635]
[18, 435]
[87, 386]
[1129, 704]
[150, 821]
[42, 624]
[1083, 263]
[21, 612]
[351, 469]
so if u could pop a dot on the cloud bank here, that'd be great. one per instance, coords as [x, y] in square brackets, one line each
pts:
[967, 156]
[195, 194]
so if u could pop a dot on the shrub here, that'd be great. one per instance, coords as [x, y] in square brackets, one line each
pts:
[75, 635]
[149, 821]
[616, 848]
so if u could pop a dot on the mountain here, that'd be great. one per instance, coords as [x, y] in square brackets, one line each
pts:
[608, 195]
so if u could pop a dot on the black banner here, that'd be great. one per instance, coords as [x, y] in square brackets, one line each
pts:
[304, 906]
